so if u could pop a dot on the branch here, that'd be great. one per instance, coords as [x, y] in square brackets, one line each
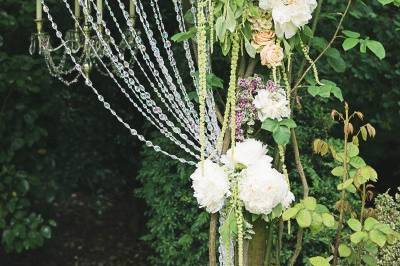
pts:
[327, 47]
[212, 256]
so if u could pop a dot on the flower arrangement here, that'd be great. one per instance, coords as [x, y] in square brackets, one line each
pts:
[243, 181]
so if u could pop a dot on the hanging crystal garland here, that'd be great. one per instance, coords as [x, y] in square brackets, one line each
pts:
[135, 65]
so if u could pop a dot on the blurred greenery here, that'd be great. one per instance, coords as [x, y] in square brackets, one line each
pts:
[58, 140]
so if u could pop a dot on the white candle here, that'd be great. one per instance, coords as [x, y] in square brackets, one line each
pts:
[39, 10]
[100, 11]
[77, 9]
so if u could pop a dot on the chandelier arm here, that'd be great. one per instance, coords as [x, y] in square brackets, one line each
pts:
[160, 82]
[106, 104]
[134, 80]
[142, 98]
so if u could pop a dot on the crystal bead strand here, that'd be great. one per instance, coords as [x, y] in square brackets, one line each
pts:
[106, 104]
[170, 97]
[163, 89]
[164, 34]
[125, 74]
[169, 135]
[156, 51]
[143, 94]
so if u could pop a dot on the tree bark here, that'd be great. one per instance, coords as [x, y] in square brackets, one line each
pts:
[258, 244]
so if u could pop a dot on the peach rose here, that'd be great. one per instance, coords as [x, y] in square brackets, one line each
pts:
[271, 55]
[263, 38]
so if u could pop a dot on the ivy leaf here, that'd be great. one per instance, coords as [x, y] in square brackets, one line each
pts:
[354, 224]
[328, 220]
[370, 223]
[281, 135]
[290, 213]
[303, 218]
[377, 237]
[310, 203]
[377, 48]
[344, 251]
[338, 171]
[319, 261]
[357, 162]
[357, 237]
[369, 260]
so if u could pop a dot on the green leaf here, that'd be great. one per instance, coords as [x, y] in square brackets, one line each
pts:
[337, 92]
[288, 122]
[377, 48]
[351, 34]
[281, 135]
[229, 228]
[357, 237]
[230, 19]
[377, 237]
[303, 218]
[352, 150]
[46, 232]
[338, 171]
[319, 261]
[251, 51]
[357, 162]
[354, 224]
[310, 203]
[369, 260]
[344, 251]
[313, 90]
[335, 60]
[345, 184]
[182, 36]
[384, 228]
[328, 220]
[270, 124]
[214, 82]
[290, 213]
[350, 43]
[368, 173]
[220, 28]
[316, 220]
[370, 223]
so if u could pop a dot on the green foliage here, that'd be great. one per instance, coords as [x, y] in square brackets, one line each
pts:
[388, 212]
[171, 231]
[23, 229]
[280, 129]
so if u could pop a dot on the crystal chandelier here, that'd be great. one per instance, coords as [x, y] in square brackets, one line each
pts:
[83, 44]
[142, 67]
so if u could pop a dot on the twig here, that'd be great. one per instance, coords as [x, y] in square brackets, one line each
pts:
[212, 256]
[327, 47]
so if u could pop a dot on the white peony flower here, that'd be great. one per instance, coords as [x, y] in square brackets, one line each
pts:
[288, 200]
[248, 152]
[272, 104]
[210, 187]
[262, 188]
[289, 15]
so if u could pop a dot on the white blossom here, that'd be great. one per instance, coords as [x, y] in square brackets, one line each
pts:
[211, 186]
[261, 188]
[272, 104]
[289, 15]
[247, 153]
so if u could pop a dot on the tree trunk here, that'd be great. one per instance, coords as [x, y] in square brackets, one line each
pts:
[258, 244]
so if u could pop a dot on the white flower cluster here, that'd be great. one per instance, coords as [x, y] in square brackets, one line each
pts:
[289, 15]
[261, 188]
[272, 104]
[211, 186]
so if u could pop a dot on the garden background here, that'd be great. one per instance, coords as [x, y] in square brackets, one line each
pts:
[77, 189]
